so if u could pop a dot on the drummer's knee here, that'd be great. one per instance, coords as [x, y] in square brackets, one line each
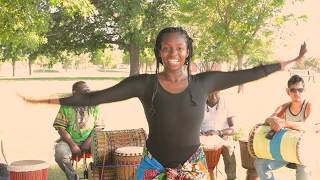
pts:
[303, 172]
[62, 152]
[258, 162]
[261, 165]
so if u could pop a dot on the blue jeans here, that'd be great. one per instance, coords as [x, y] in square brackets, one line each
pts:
[265, 167]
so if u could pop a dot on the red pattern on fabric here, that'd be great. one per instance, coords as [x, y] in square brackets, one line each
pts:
[150, 174]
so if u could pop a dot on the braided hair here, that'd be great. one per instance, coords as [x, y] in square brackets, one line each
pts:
[157, 50]
[159, 40]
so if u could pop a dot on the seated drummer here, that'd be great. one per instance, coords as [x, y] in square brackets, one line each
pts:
[290, 115]
[74, 125]
[219, 120]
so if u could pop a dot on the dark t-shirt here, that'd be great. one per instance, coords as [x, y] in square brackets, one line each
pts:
[174, 119]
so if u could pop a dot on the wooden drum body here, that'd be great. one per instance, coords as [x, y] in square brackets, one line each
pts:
[28, 170]
[212, 157]
[127, 160]
[288, 145]
[247, 161]
[105, 143]
[212, 146]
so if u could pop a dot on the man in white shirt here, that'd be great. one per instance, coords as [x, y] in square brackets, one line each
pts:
[218, 120]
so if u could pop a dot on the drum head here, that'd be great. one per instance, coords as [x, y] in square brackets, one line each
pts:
[28, 165]
[129, 151]
[211, 142]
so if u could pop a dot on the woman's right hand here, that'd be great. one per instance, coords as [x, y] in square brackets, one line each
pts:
[37, 101]
[27, 99]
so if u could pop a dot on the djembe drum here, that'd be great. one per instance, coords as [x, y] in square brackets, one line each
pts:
[212, 146]
[105, 143]
[102, 173]
[28, 170]
[127, 159]
[287, 144]
[247, 161]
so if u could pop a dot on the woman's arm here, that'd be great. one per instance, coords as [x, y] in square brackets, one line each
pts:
[223, 80]
[133, 86]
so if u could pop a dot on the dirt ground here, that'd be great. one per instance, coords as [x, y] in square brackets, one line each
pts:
[27, 133]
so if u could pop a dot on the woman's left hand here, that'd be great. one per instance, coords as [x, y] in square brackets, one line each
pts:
[298, 59]
[303, 51]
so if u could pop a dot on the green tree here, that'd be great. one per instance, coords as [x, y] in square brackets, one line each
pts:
[67, 60]
[242, 27]
[102, 57]
[24, 23]
[312, 63]
[129, 24]
[147, 59]
[126, 58]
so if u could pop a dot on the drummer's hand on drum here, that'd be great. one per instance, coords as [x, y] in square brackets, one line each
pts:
[75, 149]
[211, 133]
[85, 146]
[276, 123]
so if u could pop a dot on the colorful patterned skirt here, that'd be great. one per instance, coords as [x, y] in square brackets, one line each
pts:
[195, 168]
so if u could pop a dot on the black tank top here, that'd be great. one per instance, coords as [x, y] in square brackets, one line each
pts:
[174, 119]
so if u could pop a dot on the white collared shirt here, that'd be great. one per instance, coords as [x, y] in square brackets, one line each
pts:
[215, 118]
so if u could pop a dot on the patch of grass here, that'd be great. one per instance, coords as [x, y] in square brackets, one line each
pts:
[45, 71]
[55, 173]
[111, 70]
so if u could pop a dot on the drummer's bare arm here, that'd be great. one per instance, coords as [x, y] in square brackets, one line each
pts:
[86, 145]
[211, 133]
[66, 137]
[231, 130]
[300, 126]
[274, 121]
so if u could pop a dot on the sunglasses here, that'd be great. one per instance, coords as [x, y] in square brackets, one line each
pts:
[295, 90]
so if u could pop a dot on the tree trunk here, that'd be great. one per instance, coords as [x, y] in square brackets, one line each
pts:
[30, 66]
[134, 52]
[240, 63]
[13, 67]
[146, 67]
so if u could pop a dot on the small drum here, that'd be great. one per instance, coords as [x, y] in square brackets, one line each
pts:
[105, 143]
[287, 144]
[247, 161]
[212, 146]
[4, 174]
[28, 170]
[101, 173]
[127, 159]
